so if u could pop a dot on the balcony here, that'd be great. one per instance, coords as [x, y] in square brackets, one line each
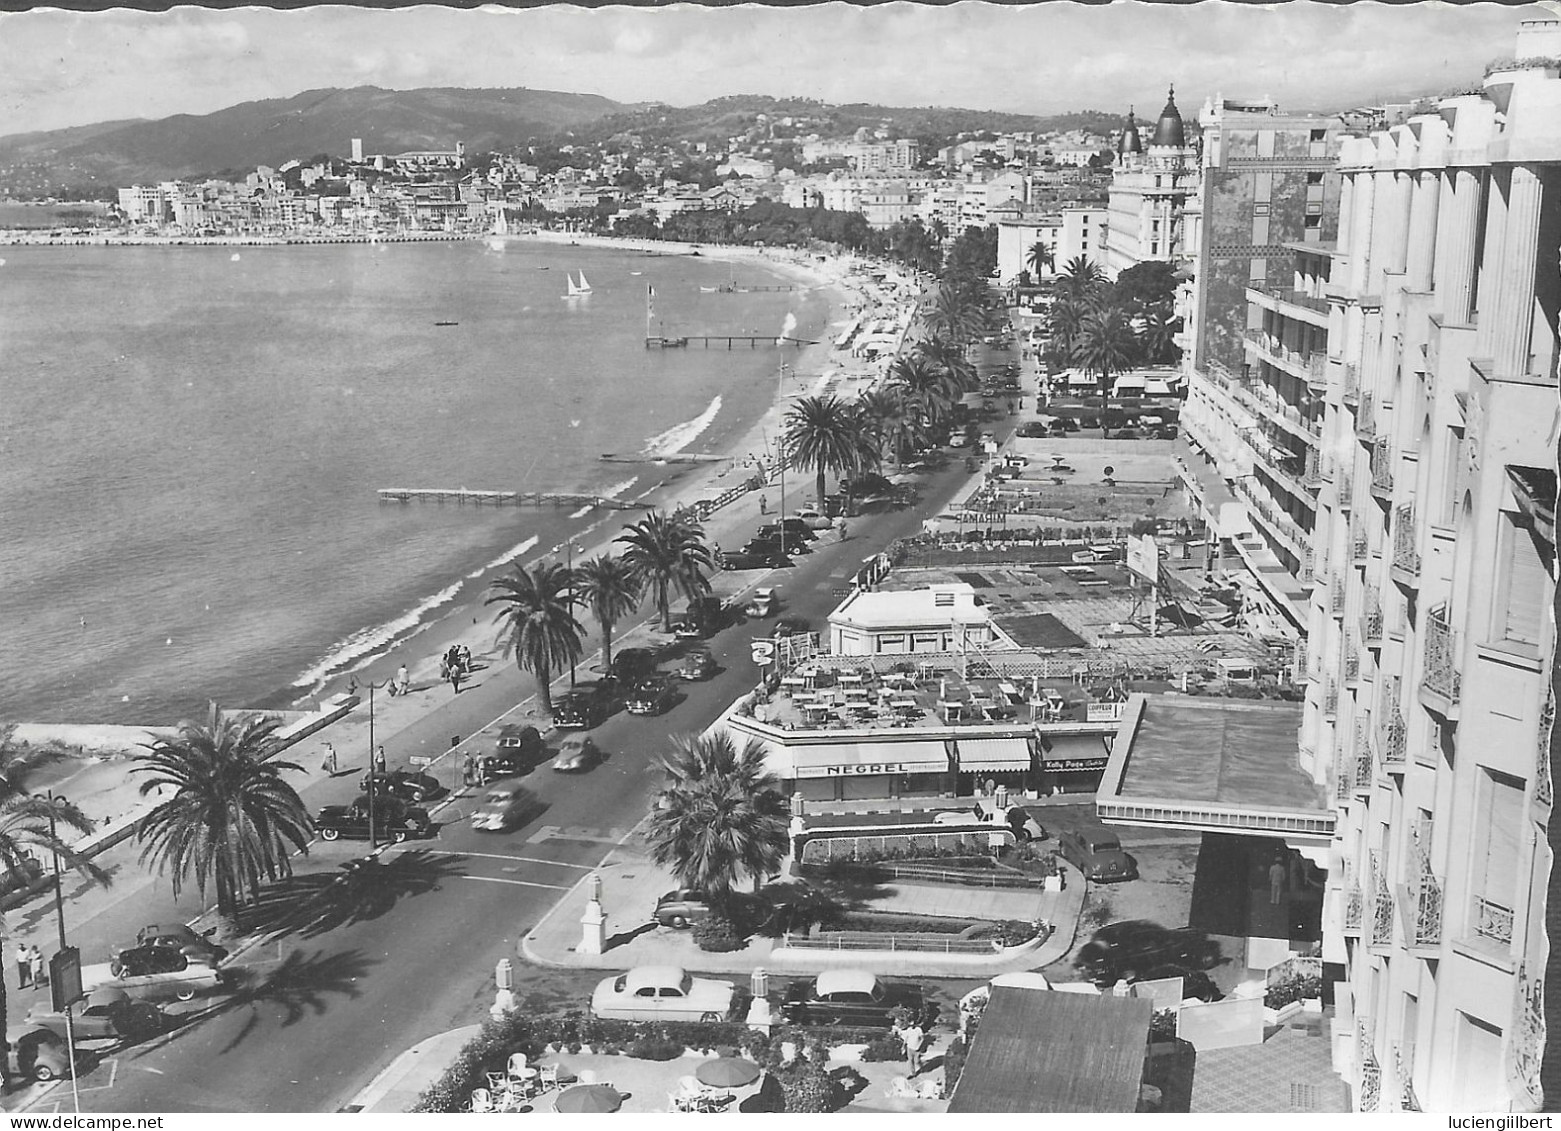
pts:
[1441, 686]
[1354, 909]
[1351, 390]
[1382, 470]
[1369, 1096]
[1330, 699]
[1381, 905]
[1395, 742]
[1351, 661]
[1364, 776]
[1405, 564]
[1292, 297]
[1317, 372]
[1343, 774]
[1360, 544]
[1371, 617]
[1366, 419]
[1420, 898]
[1404, 1069]
[1313, 475]
[1492, 921]
[1336, 594]
[1343, 492]
[1547, 719]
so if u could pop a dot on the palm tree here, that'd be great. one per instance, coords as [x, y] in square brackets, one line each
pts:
[537, 621]
[889, 416]
[1157, 335]
[608, 587]
[232, 820]
[824, 433]
[1081, 277]
[1041, 257]
[951, 358]
[668, 553]
[928, 387]
[953, 315]
[1106, 344]
[1063, 322]
[721, 814]
[27, 831]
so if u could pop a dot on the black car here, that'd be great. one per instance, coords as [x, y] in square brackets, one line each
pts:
[1195, 983]
[697, 664]
[650, 696]
[752, 559]
[705, 616]
[791, 626]
[630, 665]
[394, 820]
[409, 785]
[177, 936]
[795, 528]
[579, 710]
[518, 749]
[1128, 950]
[850, 997]
[139, 961]
[771, 544]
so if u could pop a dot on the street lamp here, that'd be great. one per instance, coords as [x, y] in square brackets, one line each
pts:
[569, 549]
[780, 454]
[59, 918]
[352, 687]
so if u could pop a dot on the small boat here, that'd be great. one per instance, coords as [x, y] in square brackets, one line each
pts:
[577, 290]
[446, 323]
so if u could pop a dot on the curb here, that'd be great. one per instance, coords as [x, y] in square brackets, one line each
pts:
[400, 1068]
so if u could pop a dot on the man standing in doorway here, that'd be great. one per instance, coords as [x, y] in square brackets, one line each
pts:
[1276, 880]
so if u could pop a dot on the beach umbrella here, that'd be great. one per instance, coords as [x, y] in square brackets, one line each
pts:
[589, 1098]
[727, 1072]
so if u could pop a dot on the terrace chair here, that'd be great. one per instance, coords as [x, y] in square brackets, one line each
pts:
[547, 1076]
[482, 1101]
[498, 1083]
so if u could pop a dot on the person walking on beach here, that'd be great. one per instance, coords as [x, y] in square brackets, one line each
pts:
[455, 677]
[24, 966]
[403, 680]
[40, 971]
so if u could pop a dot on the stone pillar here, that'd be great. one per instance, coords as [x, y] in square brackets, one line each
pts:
[593, 923]
[1395, 235]
[1491, 267]
[1458, 218]
[1511, 281]
[760, 1016]
[1420, 260]
[1361, 232]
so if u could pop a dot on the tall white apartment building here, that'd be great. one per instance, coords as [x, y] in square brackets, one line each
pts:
[1430, 701]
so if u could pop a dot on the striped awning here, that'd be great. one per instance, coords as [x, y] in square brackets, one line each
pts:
[991, 754]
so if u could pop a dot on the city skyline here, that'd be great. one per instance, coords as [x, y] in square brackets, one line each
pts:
[60, 69]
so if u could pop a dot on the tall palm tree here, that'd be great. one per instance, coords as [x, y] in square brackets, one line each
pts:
[928, 387]
[536, 621]
[890, 418]
[1041, 257]
[953, 314]
[951, 358]
[721, 814]
[1157, 335]
[1063, 322]
[610, 590]
[232, 821]
[1081, 277]
[825, 434]
[27, 834]
[1107, 345]
[667, 554]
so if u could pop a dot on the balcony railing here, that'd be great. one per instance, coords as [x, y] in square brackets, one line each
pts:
[1360, 544]
[1382, 469]
[1293, 296]
[1547, 720]
[1404, 1069]
[1354, 909]
[1422, 891]
[1330, 698]
[1395, 740]
[1344, 491]
[1441, 683]
[1366, 418]
[1351, 391]
[1336, 593]
[1363, 767]
[1351, 660]
[1317, 371]
[1406, 559]
[1312, 474]
[1382, 905]
[1492, 920]
[1371, 616]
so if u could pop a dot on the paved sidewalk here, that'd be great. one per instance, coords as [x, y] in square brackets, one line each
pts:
[396, 1088]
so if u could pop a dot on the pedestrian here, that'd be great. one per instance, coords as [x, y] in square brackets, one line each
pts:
[1276, 880]
[329, 764]
[913, 1037]
[840, 525]
[764, 505]
[403, 679]
[455, 678]
[40, 971]
[469, 769]
[379, 759]
[24, 966]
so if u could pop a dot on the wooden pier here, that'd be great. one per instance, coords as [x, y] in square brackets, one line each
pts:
[461, 496]
[753, 341]
[614, 457]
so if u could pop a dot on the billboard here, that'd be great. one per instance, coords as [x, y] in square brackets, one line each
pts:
[1143, 557]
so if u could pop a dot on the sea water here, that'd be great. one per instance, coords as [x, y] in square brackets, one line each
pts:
[191, 439]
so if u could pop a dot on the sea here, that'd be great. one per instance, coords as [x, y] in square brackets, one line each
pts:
[191, 440]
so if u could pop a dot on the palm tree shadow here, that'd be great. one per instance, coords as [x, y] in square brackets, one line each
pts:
[314, 904]
[301, 986]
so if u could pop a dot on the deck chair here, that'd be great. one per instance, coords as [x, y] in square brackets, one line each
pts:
[547, 1075]
[482, 1100]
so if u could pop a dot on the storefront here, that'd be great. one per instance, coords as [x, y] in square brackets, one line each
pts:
[858, 771]
[987, 764]
[1073, 763]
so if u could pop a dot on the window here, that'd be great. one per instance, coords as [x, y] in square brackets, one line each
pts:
[1493, 872]
[1521, 586]
[1480, 1075]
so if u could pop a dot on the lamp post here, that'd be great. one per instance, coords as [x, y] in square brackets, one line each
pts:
[352, 687]
[59, 919]
[780, 458]
[569, 549]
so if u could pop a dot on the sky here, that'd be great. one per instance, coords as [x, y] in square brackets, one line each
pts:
[60, 68]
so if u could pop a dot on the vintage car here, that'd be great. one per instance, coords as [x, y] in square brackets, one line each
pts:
[107, 1015]
[409, 785]
[763, 603]
[662, 993]
[697, 664]
[850, 997]
[1131, 949]
[681, 908]
[505, 807]
[650, 695]
[579, 710]
[576, 755]
[393, 819]
[43, 1055]
[154, 974]
[195, 947]
[983, 813]
[518, 749]
[1097, 853]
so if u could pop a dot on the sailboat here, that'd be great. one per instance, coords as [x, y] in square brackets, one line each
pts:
[576, 290]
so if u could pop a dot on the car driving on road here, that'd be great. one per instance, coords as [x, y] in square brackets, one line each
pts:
[505, 807]
[393, 819]
[579, 710]
[697, 664]
[763, 603]
[576, 754]
[518, 749]
[651, 695]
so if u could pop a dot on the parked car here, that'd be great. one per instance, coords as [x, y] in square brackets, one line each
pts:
[771, 545]
[1097, 853]
[108, 1015]
[662, 993]
[791, 626]
[409, 785]
[27, 871]
[394, 820]
[518, 749]
[812, 518]
[849, 997]
[1130, 949]
[578, 710]
[763, 603]
[154, 974]
[792, 525]
[751, 559]
[630, 665]
[196, 947]
[505, 807]
[576, 755]
[1195, 983]
[705, 616]
[650, 696]
[43, 1055]
[696, 664]
[681, 908]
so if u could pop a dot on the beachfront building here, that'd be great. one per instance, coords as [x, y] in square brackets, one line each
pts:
[939, 618]
[1430, 704]
[1150, 186]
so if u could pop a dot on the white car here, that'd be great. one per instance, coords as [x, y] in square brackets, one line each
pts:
[763, 603]
[812, 518]
[505, 807]
[662, 993]
[173, 977]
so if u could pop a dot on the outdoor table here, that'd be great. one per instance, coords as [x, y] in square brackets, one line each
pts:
[908, 705]
[856, 693]
[793, 681]
[851, 678]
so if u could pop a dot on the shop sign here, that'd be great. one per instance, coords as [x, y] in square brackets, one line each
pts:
[1065, 764]
[866, 768]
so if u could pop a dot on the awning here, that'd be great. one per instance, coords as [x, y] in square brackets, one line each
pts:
[982, 754]
[1062, 753]
[844, 759]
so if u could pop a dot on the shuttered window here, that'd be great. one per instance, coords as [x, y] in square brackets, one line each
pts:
[1524, 587]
